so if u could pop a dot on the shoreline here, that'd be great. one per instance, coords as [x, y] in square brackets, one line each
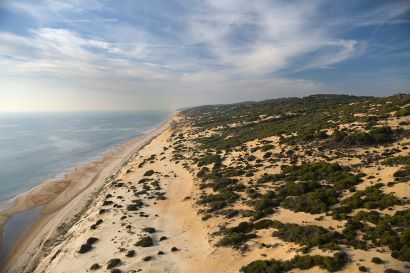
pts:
[181, 241]
[62, 199]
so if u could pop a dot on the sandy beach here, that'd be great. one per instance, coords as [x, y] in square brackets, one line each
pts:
[62, 200]
[175, 218]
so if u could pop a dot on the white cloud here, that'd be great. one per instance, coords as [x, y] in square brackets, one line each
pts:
[213, 49]
[281, 34]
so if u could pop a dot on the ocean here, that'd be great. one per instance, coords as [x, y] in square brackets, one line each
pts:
[35, 147]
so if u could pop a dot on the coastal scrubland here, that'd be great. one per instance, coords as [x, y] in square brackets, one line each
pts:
[313, 184]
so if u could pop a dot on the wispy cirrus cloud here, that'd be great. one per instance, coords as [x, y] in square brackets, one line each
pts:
[165, 49]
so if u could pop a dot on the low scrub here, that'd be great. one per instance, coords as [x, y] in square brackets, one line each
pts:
[331, 264]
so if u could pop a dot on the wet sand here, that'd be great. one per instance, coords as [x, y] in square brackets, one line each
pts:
[62, 199]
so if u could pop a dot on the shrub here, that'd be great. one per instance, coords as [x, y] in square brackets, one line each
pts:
[243, 227]
[209, 159]
[130, 253]
[149, 173]
[389, 270]
[85, 248]
[377, 260]
[137, 205]
[174, 249]
[145, 241]
[362, 268]
[92, 240]
[95, 266]
[371, 198]
[332, 173]
[147, 258]
[403, 112]
[309, 235]
[149, 229]
[235, 239]
[266, 223]
[107, 203]
[217, 205]
[377, 135]
[313, 202]
[113, 263]
[334, 263]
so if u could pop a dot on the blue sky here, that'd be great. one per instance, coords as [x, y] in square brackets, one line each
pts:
[148, 54]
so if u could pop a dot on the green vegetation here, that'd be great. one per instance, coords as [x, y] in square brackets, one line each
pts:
[149, 229]
[371, 198]
[332, 174]
[130, 253]
[399, 160]
[393, 231]
[403, 174]
[403, 112]
[218, 201]
[92, 240]
[88, 245]
[308, 117]
[235, 239]
[303, 191]
[95, 266]
[331, 264]
[313, 202]
[145, 241]
[308, 235]
[377, 260]
[313, 133]
[149, 173]
[209, 159]
[85, 248]
[113, 263]
[377, 135]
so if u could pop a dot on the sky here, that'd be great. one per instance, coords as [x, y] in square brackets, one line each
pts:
[95, 55]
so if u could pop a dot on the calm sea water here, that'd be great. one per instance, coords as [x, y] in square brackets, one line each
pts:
[41, 146]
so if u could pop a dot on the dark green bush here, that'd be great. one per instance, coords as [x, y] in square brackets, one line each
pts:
[235, 239]
[147, 258]
[85, 248]
[145, 241]
[377, 260]
[92, 240]
[149, 173]
[95, 266]
[130, 253]
[331, 264]
[113, 263]
[309, 235]
[149, 229]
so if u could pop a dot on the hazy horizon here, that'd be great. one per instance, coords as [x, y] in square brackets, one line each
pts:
[76, 55]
